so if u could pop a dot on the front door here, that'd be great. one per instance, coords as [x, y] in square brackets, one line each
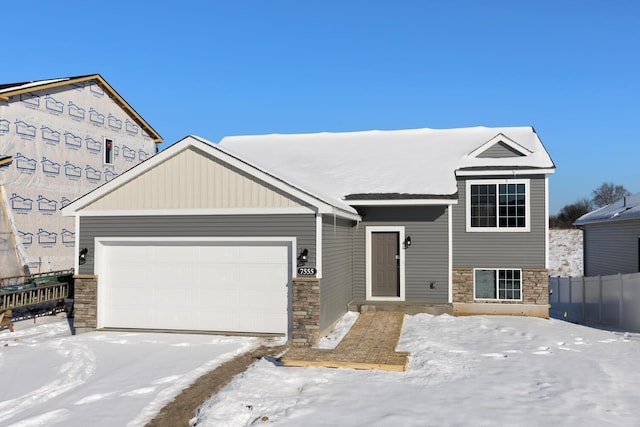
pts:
[385, 264]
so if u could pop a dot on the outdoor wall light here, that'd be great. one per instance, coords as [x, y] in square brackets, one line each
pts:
[83, 256]
[407, 242]
[302, 258]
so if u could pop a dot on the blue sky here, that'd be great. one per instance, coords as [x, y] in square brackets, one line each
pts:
[570, 69]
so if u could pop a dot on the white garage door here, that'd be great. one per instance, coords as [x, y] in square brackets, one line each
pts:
[187, 285]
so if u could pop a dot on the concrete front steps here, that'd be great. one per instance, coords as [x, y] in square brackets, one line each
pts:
[402, 306]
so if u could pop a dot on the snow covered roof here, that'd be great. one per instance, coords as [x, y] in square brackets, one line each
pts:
[391, 164]
[625, 208]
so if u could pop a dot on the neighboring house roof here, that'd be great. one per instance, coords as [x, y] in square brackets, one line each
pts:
[624, 209]
[393, 165]
[12, 89]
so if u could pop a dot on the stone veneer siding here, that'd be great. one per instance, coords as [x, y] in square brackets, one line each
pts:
[85, 303]
[306, 311]
[535, 287]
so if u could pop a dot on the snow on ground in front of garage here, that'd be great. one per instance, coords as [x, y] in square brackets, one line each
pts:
[474, 370]
[50, 377]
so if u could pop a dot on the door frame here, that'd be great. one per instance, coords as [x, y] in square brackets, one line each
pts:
[369, 262]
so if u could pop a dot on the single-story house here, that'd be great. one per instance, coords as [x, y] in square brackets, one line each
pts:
[611, 236]
[284, 233]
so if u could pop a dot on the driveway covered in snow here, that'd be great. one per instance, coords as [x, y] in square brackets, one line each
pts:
[50, 377]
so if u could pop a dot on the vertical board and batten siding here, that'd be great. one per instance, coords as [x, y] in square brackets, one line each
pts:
[611, 247]
[336, 286]
[501, 249]
[193, 179]
[427, 259]
[300, 226]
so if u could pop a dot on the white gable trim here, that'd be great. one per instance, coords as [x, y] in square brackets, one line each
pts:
[497, 139]
[75, 207]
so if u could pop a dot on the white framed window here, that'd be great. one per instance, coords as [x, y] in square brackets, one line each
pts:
[498, 205]
[108, 148]
[497, 284]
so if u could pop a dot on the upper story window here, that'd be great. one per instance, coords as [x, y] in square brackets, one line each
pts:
[498, 205]
[108, 151]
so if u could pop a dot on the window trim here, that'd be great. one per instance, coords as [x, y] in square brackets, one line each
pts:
[497, 228]
[104, 151]
[497, 269]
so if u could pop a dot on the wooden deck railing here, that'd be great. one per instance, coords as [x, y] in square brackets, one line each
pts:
[36, 295]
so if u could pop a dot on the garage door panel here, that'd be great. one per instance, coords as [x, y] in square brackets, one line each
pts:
[172, 274]
[261, 275]
[133, 274]
[262, 300]
[258, 321]
[258, 254]
[218, 275]
[219, 254]
[239, 287]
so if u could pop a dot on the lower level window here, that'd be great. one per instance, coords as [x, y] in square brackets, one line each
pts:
[498, 283]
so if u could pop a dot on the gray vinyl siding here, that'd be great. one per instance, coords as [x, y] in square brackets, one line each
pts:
[501, 249]
[611, 248]
[499, 151]
[301, 226]
[427, 259]
[336, 287]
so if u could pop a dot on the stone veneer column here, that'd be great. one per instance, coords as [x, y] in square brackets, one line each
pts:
[536, 285]
[85, 303]
[462, 286]
[306, 311]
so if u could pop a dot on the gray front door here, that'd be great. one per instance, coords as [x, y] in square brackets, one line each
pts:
[385, 264]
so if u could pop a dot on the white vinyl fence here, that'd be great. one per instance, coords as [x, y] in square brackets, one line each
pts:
[601, 300]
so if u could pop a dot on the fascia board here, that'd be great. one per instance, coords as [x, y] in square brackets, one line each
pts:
[404, 202]
[505, 172]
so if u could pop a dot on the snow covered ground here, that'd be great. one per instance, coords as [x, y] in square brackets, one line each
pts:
[463, 371]
[565, 253]
[49, 377]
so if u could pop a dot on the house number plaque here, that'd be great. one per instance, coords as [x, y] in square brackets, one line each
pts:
[307, 271]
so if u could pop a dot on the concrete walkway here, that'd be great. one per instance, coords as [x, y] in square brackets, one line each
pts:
[370, 344]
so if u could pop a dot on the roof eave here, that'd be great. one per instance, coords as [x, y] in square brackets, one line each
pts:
[114, 95]
[505, 171]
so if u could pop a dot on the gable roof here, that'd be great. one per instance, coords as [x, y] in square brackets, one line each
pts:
[320, 203]
[12, 89]
[403, 164]
[624, 209]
